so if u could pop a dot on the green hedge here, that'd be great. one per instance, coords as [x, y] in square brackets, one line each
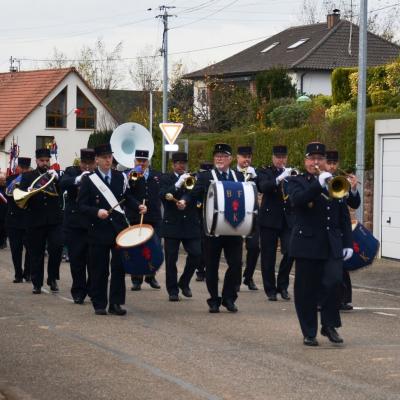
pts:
[291, 115]
[341, 90]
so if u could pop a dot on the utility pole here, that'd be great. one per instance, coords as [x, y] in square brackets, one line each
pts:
[164, 52]
[361, 103]
[13, 67]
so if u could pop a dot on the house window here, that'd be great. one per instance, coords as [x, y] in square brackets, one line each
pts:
[56, 111]
[298, 43]
[270, 47]
[44, 142]
[85, 112]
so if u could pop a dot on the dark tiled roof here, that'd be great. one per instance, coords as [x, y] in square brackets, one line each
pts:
[326, 49]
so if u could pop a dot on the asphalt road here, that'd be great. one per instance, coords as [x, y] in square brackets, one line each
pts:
[51, 348]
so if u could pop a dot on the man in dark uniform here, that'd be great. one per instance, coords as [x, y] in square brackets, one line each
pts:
[243, 157]
[232, 245]
[3, 211]
[16, 226]
[180, 225]
[76, 225]
[320, 240]
[43, 221]
[353, 201]
[275, 223]
[98, 199]
[201, 268]
[146, 187]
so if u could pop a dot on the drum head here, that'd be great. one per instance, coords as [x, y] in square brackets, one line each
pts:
[134, 235]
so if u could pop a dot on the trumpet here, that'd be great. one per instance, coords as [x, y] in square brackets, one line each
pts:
[338, 186]
[135, 175]
[294, 172]
[189, 182]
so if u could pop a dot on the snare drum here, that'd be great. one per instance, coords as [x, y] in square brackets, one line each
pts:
[134, 235]
[230, 208]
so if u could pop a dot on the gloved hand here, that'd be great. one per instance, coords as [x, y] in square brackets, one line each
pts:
[78, 179]
[347, 253]
[323, 177]
[283, 175]
[251, 172]
[53, 172]
[181, 179]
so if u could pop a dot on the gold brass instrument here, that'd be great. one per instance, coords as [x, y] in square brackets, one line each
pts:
[338, 186]
[245, 173]
[189, 182]
[295, 172]
[21, 197]
[135, 175]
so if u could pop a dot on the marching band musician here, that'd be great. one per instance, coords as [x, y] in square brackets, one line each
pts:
[353, 201]
[180, 224]
[232, 245]
[99, 196]
[3, 210]
[16, 225]
[275, 221]
[243, 157]
[146, 187]
[76, 224]
[320, 241]
[43, 221]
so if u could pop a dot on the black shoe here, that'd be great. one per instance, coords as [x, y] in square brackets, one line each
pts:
[229, 305]
[53, 286]
[37, 290]
[200, 277]
[173, 297]
[284, 294]
[213, 308]
[272, 297]
[153, 283]
[79, 300]
[186, 291]
[237, 288]
[346, 307]
[27, 278]
[136, 286]
[18, 280]
[310, 341]
[250, 284]
[116, 309]
[100, 311]
[331, 334]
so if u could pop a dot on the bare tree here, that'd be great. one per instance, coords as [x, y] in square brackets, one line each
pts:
[309, 12]
[58, 60]
[146, 71]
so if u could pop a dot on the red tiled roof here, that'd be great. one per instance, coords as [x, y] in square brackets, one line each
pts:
[21, 92]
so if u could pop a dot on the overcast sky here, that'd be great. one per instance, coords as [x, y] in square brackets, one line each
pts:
[30, 29]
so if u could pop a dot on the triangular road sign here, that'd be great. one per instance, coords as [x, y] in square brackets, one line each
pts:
[171, 130]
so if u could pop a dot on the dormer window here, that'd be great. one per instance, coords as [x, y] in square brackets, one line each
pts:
[85, 112]
[56, 111]
[298, 43]
[270, 47]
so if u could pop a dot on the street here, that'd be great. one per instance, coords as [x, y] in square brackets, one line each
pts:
[51, 348]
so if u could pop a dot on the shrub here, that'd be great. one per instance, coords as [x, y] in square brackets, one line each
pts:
[323, 101]
[267, 108]
[380, 97]
[341, 91]
[338, 110]
[99, 137]
[292, 115]
[393, 77]
[274, 84]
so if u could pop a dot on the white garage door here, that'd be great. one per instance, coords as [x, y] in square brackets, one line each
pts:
[390, 240]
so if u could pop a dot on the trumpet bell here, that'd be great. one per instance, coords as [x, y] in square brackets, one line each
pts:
[338, 187]
[189, 183]
[126, 139]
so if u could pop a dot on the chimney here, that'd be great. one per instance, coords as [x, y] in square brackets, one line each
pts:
[333, 19]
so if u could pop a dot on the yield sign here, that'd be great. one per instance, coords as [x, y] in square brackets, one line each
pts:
[171, 130]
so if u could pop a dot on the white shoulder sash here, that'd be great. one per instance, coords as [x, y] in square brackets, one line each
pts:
[106, 192]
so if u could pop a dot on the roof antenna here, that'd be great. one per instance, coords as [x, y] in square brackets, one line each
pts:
[13, 64]
[351, 27]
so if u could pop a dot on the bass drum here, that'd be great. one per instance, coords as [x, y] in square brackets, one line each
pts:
[230, 208]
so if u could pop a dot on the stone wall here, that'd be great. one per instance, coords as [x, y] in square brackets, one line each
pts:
[368, 200]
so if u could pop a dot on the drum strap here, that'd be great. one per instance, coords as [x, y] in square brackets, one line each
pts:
[216, 178]
[106, 192]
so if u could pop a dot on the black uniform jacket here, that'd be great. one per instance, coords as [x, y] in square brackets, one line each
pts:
[3, 205]
[15, 217]
[179, 224]
[275, 210]
[322, 226]
[150, 190]
[42, 209]
[91, 200]
[73, 218]
[354, 200]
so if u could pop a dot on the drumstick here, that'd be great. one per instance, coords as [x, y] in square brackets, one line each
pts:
[141, 218]
[113, 208]
[170, 197]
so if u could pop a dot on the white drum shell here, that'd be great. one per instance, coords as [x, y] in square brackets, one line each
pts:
[214, 209]
[134, 236]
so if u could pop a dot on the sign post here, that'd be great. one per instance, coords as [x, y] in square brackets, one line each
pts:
[171, 131]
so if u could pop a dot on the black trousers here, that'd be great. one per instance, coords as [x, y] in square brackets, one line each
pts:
[171, 248]
[37, 238]
[347, 290]
[233, 249]
[17, 239]
[269, 245]
[99, 271]
[78, 253]
[317, 281]
[201, 267]
[252, 253]
[3, 233]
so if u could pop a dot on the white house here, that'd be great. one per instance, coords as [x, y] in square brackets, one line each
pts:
[42, 106]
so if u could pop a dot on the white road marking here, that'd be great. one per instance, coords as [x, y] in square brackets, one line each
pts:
[386, 314]
[377, 308]
[58, 295]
